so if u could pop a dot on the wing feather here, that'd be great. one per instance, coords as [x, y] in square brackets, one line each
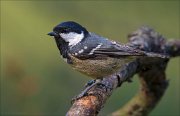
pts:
[98, 46]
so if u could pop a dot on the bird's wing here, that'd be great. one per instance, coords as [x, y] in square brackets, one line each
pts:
[98, 46]
[109, 49]
[117, 50]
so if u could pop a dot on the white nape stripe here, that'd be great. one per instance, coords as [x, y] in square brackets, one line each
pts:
[92, 51]
[72, 37]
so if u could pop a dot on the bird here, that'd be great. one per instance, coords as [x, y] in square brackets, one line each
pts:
[92, 54]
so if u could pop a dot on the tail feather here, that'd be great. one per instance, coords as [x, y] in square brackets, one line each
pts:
[158, 55]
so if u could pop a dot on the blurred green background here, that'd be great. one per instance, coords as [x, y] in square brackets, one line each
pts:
[35, 81]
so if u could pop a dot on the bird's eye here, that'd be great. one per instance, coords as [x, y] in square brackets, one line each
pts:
[65, 30]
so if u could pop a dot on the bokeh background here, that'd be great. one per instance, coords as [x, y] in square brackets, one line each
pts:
[36, 81]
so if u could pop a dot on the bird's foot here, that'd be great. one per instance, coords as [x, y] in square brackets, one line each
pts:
[89, 83]
[88, 86]
[81, 95]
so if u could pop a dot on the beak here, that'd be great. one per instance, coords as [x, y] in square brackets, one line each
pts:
[52, 34]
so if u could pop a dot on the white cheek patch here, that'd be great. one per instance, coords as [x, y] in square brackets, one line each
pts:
[72, 37]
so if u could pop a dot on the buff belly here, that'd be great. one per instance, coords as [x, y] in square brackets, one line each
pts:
[98, 68]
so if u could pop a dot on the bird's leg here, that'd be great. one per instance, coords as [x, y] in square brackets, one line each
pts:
[89, 83]
[88, 87]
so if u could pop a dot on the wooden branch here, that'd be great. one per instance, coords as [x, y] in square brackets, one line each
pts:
[152, 78]
[153, 84]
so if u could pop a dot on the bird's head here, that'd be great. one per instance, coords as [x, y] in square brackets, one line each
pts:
[71, 32]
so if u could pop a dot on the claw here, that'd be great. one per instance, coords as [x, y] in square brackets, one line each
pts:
[88, 87]
[78, 97]
[89, 83]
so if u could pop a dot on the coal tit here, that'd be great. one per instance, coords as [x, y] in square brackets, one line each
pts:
[91, 54]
